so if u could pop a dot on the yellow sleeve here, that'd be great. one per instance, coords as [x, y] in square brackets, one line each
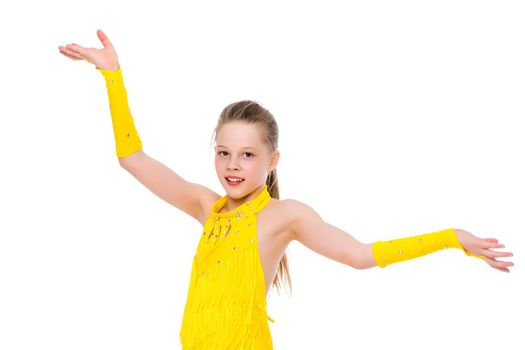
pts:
[389, 252]
[127, 140]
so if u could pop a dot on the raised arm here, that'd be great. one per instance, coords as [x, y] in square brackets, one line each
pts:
[188, 197]
[191, 198]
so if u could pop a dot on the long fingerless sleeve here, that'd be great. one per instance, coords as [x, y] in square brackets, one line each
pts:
[127, 140]
[389, 252]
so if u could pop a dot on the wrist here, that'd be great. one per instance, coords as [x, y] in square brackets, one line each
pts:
[110, 68]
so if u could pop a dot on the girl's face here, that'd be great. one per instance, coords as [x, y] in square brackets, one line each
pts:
[241, 152]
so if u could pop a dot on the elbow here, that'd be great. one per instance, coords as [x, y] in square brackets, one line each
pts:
[355, 262]
[128, 161]
[123, 162]
[363, 266]
[360, 266]
[365, 258]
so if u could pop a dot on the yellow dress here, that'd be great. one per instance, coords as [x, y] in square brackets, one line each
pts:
[226, 301]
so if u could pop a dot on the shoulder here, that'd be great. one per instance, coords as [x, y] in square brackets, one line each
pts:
[292, 206]
[299, 215]
[287, 207]
[297, 209]
[207, 197]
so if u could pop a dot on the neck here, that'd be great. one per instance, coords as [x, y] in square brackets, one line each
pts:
[234, 203]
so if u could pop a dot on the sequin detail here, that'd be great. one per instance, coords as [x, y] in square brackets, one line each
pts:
[226, 301]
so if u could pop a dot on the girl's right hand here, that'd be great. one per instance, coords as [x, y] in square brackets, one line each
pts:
[105, 58]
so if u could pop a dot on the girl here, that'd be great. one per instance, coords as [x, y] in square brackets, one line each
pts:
[246, 231]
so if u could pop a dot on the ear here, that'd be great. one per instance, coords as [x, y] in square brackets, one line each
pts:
[275, 159]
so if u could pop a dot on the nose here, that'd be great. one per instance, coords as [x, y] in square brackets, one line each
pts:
[232, 164]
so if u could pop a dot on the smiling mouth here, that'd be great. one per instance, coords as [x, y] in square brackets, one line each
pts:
[234, 179]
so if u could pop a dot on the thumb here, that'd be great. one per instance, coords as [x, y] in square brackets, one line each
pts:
[103, 38]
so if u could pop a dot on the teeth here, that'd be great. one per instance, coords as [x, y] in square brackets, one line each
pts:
[237, 180]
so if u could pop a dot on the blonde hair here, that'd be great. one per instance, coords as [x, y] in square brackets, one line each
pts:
[253, 113]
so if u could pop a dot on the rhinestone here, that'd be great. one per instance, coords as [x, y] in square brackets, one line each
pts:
[211, 233]
[127, 135]
[111, 81]
[237, 231]
[400, 252]
[251, 240]
[251, 208]
[234, 247]
[249, 225]
[383, 261]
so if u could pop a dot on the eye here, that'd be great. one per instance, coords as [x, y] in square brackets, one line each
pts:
[221, 152]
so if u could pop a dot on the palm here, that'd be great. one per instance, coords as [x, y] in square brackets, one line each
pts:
[105, 58]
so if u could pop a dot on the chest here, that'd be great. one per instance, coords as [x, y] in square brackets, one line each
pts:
[267, 232]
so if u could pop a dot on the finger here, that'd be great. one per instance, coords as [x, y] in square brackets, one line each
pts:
[492, 254]
[103, 38]
[69, 56]
[77, 50]
[496, 263]
[68, 53]
[67, 50]
[491, 240]
[504, 269]
[489, 244]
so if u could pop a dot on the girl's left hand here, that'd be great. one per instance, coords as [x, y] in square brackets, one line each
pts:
[482, 247]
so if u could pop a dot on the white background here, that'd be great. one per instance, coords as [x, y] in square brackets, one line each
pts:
[396, 118]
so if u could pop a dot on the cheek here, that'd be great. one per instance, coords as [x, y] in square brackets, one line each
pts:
[257, 168]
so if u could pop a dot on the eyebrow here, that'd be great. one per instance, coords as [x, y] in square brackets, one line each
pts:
[241, 147]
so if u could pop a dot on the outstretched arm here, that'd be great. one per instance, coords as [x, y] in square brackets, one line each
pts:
[311, 230]
[384, 253]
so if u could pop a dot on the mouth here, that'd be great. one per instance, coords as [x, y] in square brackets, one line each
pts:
[234, 180]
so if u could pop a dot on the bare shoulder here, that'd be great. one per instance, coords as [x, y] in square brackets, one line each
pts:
[207, 198]
[300, 215]
[298, 210]
[276, 219]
